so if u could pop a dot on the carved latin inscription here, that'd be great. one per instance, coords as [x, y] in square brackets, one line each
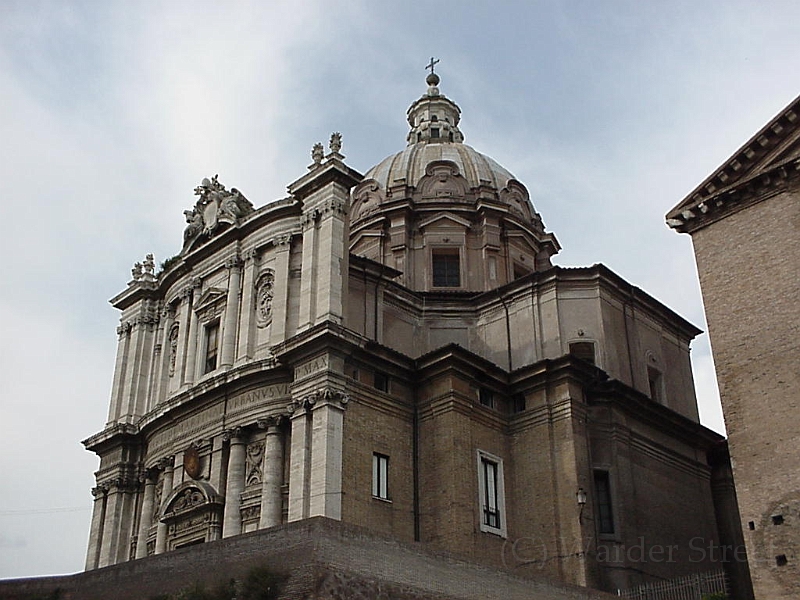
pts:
[313, 366]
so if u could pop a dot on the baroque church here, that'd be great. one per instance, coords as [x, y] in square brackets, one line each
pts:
[396, 350]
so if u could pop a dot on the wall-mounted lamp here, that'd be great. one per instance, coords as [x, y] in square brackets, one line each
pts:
[580, 496]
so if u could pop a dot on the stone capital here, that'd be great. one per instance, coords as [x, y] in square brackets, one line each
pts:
[234, 435]
[272, 423]
[234, 262]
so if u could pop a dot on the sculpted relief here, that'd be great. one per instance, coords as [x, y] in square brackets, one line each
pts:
[215, 206]
[264, 294]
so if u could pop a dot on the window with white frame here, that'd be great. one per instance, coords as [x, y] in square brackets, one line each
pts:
[491, 500]
[380, 476]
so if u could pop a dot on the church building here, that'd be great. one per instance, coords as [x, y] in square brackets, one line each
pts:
[396, 350]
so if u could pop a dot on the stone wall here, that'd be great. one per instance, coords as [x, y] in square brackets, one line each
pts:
[322, 559]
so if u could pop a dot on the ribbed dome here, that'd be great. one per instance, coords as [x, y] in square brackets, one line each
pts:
[409, 166]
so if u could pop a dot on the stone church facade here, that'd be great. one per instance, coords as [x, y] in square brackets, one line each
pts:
[396, 350]
[744, 220]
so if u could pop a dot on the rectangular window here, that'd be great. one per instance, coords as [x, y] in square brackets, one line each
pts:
[491, 494]
[381, 381]
[518, 403]
[486, 397]
[446, 268]
[602, 490]
[380, 476]
[212, 342]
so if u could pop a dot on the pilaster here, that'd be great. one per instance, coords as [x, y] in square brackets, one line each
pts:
[191, 369]
[326, 454]
[280, 301]
[245, 347]
[234, 266]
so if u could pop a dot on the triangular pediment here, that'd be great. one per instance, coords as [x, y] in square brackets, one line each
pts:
[209, 298]
[774, 149]
[444, 219]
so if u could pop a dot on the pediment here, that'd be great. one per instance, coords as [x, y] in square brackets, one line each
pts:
[210, 298]
[774, 149]
[445, 220]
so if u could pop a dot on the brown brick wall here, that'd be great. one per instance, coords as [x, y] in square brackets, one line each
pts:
[748, 265]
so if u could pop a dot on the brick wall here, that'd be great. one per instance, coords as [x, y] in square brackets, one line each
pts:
[748, 264]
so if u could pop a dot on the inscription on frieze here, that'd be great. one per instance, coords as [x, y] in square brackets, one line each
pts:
[278, 391]
[189, 426]
[309, 368]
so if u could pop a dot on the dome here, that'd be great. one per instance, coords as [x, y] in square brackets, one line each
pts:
[444, 215]
[410, 165]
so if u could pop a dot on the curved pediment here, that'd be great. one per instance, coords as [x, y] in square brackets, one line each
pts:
[366, 198]
[190, 496]
[442, 180]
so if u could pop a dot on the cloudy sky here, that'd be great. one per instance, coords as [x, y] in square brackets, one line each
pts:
[112, 112]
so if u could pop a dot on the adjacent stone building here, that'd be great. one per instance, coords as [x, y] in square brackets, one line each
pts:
[396, 350]
[744, 220]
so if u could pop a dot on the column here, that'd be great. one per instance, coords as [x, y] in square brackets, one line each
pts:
[234, 266]
[232, 517]
[280, 299]
[166, 490]
[146, 516]
[272, 470]
[96, 533]
[244, 351]
[300, 458]
[191, 340]
[326, 455]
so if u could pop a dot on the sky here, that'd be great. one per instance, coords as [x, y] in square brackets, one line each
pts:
[610, 112]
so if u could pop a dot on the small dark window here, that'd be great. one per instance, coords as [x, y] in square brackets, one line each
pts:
[434, 119]
[777, 519]
[751, 525]
[451, 136]
[486, 397]
[780, 560]
[446, 269]
[605, 514]
[434, 132]
[655, 381]
[212, 343]
[381, 381]
[583, 350]
[518, 403]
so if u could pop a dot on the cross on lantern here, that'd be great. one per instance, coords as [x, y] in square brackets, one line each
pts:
[432, 64]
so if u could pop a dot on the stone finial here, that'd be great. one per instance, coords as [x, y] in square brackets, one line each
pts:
[317, 153]
[136, 271]
[336, 142]
[149, 264]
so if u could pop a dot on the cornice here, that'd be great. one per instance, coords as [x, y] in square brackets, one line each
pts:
[748, 176]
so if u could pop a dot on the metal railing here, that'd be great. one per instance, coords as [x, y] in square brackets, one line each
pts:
[689, 587]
